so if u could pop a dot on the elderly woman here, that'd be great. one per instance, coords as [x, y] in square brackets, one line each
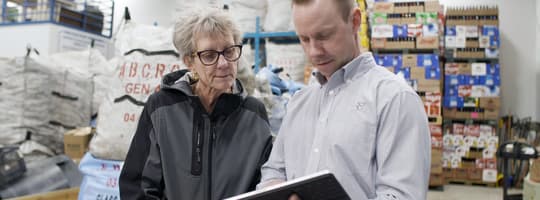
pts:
[200, 136]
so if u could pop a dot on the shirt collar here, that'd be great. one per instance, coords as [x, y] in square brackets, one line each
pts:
[358, 66]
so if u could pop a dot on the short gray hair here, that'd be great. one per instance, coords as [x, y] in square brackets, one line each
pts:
[198, 21]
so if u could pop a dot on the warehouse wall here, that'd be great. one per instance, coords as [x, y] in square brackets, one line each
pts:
[537, 55]
[520, 45]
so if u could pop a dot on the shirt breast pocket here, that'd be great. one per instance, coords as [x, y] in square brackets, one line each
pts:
[353, 134]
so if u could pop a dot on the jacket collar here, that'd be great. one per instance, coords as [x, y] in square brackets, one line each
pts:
[181, 80]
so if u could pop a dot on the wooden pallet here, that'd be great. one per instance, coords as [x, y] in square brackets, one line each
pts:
[469, 182]
[439, 188]
[64, 194]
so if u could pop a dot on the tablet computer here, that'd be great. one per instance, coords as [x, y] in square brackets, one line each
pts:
[320, 185]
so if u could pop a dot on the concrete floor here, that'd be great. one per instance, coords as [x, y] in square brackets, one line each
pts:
[465, 192]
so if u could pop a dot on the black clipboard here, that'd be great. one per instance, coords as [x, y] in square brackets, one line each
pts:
[320, 185]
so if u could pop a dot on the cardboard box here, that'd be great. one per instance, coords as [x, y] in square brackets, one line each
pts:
[425, 42]
[491, 114]
[436, 179]
[76, 142]
[401, 8]
[431, 6]
[436, 168]
[464, 68]
[416, 7]
[475, 174]
[461, 173]
[448, 173]
[378, 43]
[418, 73]
[429, 85]
[407, 20]
[383, 7]
[488, 102]
[436, 156]
[435, 130]
[472, 44]
[409, 60]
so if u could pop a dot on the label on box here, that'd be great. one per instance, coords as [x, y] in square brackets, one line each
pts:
[447, 140]
[450, 30]
[464, 90]
[494, 42]
[493, 142]
[461, 41]
[471, 31]
[427, 42]
[382, 31]
[482, 142]
[486, 130]
[433, 73]
[462, 150]
[461, 31]
[478, 69]
[383, 7]
[483, 41]
[492, 53]
[451, 68]
[450, 41]
[435, 130]
[379, 18]
[431, 30]
[480, 163]
[489, 30]
[400, 31]
[414, 30]
[489, 175]
[454, 80]
[489, 153]
[490, 80]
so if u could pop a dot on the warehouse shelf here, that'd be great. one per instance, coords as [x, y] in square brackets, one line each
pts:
[91, 16]
[258, 35]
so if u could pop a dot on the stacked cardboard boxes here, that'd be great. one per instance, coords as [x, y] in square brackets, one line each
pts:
[469, 152]
[472, 91]
[472, 33]
[408, 25]
[471, 94]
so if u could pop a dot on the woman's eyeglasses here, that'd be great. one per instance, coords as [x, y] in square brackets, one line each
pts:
[210, 57]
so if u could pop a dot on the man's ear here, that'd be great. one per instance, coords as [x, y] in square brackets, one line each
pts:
[356, 19]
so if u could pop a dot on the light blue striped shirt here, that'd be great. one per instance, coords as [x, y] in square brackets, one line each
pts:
[365, 125]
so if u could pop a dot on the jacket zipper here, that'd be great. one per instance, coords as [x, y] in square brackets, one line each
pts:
[196, 167]
[210, 152]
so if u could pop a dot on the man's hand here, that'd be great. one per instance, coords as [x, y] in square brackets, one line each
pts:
[294, 197]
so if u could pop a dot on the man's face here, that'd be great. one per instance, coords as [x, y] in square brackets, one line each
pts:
[328, 40]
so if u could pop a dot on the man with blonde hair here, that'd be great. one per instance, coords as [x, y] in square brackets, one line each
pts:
[359, 121]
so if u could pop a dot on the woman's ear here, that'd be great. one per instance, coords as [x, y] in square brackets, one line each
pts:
[187, 61]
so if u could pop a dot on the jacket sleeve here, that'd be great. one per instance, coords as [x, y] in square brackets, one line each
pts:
[131, 176]
[403, 149]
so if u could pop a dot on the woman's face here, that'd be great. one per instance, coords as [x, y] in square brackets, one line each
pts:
[215, 61]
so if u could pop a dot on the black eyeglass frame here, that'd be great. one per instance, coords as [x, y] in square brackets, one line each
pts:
[222, 53]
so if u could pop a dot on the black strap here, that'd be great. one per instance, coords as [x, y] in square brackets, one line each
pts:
[63, 96]
[153, 53]
[130, 99]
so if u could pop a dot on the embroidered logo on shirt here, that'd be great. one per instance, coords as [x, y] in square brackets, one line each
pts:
[359, 106]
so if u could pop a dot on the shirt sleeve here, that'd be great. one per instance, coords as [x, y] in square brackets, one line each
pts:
[274, 168]
[131, 176]
[403, 151]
